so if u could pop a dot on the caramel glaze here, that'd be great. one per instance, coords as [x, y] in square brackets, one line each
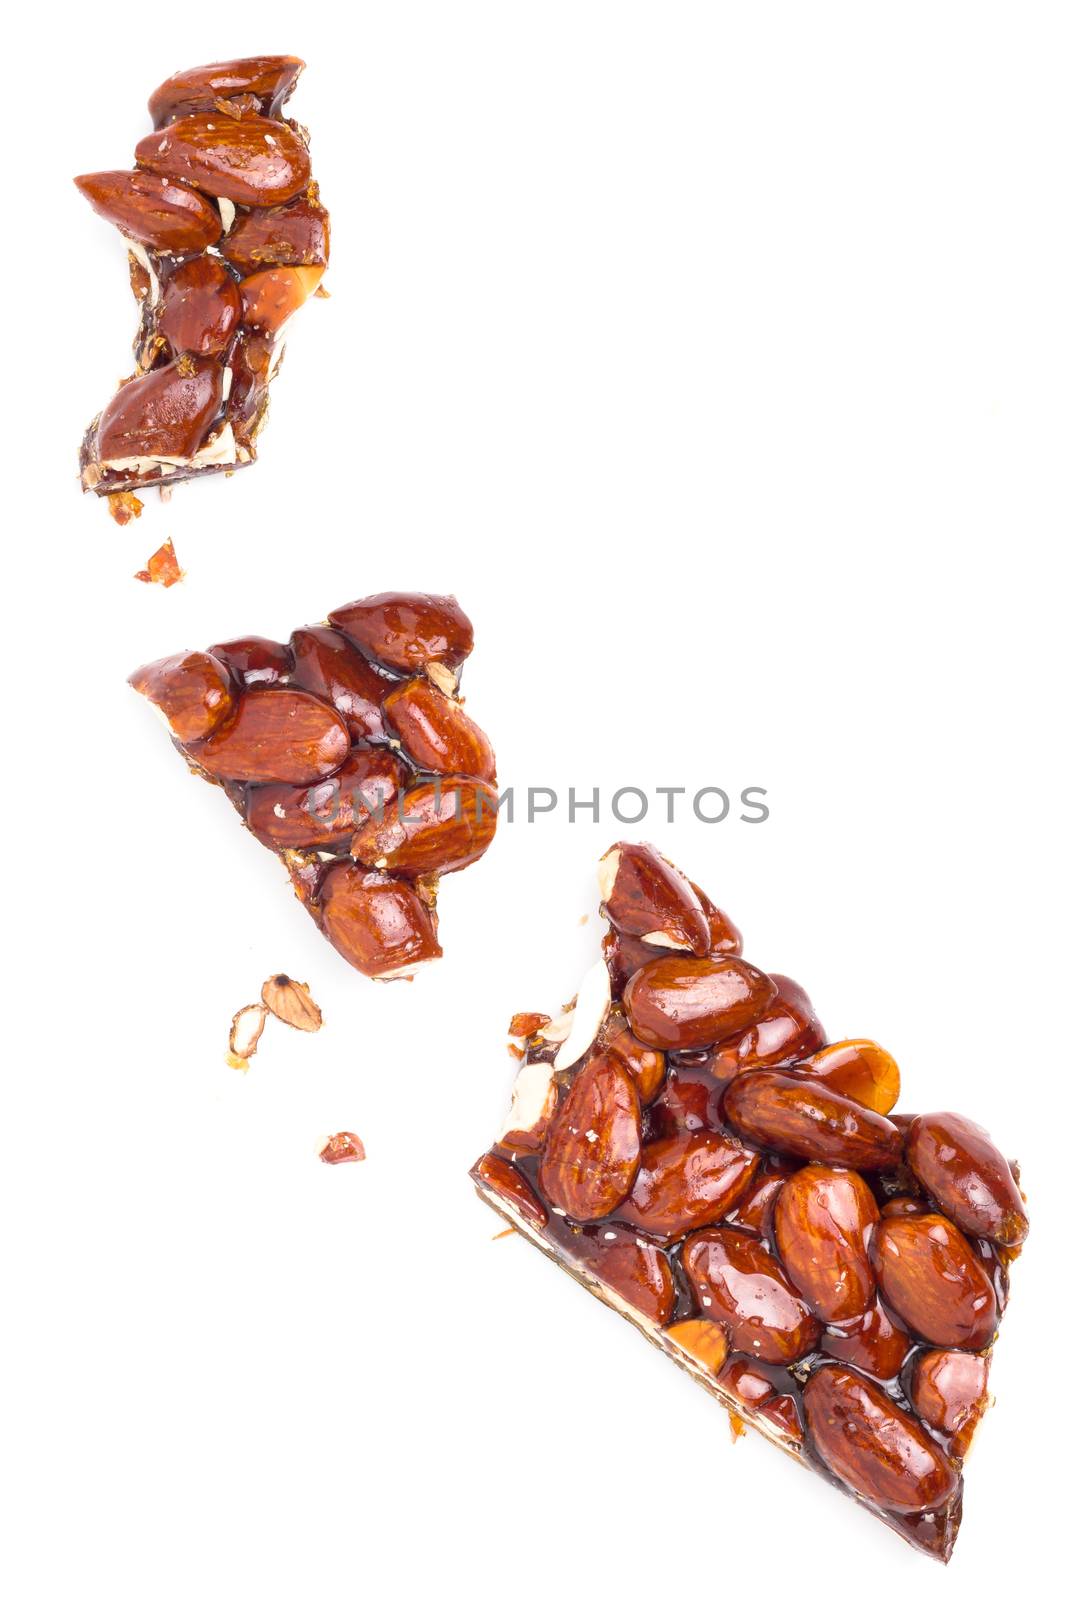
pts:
[692, 1098]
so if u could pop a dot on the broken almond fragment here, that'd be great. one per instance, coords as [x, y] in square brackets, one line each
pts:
[123, 508]
[527, 1023]
[534, 1100]
[291, 1002]
[342, 1147]
[578, 1028]
[245, 1031]
[162, 567]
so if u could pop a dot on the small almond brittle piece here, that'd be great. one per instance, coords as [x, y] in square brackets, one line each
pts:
[162, 566]
[342, 1147]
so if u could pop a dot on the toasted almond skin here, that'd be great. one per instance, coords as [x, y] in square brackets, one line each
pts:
[294, 235]
[200, 307]
[788, 1031]
[165, 216]
[166, 412]
[930, 1277]
[193, 690]
[871, 1342]
[591, 1155]
[378, 924]
[437, 734]
[949, 1390]
[967, 1177]
[873, 1445]
[741, 1285]
[705, 1342]
[270, 79]
[800, 1117]
[254, 161]
[291, 1003]
[275, 735]
[292, 816]
[860, 1070]
[636, 1268]
[325, 663]
[823, 1220]
[687, 1182]
[509, 1182]
[430, 827]
[407, 632]
[648, 895]
[270, 297]
[683, 1003]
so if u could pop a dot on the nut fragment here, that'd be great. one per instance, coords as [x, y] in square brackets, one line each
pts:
[582, 1024]
[342, 1147]
[192, 691]
[245, 1031]
[534, 1100]
[858, 1069]
[292, 1003]
[704, 1342]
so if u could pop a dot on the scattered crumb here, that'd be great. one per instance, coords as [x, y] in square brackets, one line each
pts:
[526, 1023]
[162, 566]
[124, 507]
[342, 1147]
[503, 1234]
[738, 1427]
[245, 1031]
[584, 919]
[291, 1003]
[321, 293]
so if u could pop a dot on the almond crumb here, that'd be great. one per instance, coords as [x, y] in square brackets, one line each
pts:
[162, 567]
[291, 1003]
[124, 507]
[342, 1147]
[503, 1234]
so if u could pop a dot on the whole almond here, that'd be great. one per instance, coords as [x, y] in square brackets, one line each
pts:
[967, 1177]
[859, 1069]
[254, 161]
[268, 79]
[824, 1219]
[686, 1182]
[165, 216]
[800, 1117]
[407, 632]
[326, 664]
[437, 734]
[292, 816]
[636, 1269]
[275, 735]
[644, 895]
[380, 925]
[294, 235]
[788, 1031]
[874, 1446]
[192, 690]
[872, 1342]
[591, 1155]
[949, 1390]
[740, 1284]
[431, 827]
[200, 307]
[930, 1277]
[510, 1185]
[683, 1003]
[166, 412]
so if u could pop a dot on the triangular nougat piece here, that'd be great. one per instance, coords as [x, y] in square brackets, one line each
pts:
[684, 1140]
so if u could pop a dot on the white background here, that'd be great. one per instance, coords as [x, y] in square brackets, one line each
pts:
[715, 356]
